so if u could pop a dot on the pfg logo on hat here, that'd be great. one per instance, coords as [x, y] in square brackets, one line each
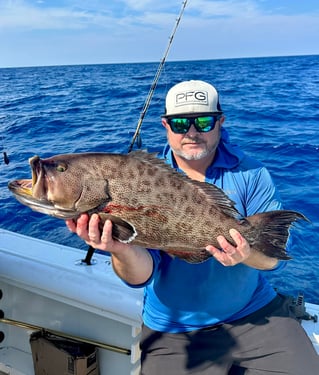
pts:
[191, 97]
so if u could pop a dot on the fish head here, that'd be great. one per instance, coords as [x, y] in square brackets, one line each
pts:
[63, 186]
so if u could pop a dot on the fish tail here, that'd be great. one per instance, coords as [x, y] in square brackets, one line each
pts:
[271, 230]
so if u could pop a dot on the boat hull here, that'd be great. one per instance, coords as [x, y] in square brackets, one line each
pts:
[45, 285]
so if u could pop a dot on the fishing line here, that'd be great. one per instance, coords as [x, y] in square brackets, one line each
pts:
[5, 155]
[137, 136]
[6, 158]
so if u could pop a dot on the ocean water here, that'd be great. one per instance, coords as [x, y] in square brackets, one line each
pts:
[272, 112]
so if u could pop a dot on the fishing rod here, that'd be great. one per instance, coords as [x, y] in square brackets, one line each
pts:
[137, 135]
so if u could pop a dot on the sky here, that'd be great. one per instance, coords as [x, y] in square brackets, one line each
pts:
[67, 32]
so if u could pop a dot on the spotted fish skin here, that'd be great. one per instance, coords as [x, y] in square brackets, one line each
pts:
[149, 203]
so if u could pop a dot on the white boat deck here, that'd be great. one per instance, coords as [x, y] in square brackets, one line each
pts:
[44, 284]
[312, 327]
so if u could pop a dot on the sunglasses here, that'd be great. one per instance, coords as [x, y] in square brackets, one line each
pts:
[202, 124]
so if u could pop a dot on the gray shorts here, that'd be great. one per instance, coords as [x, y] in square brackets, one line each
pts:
[269, 341]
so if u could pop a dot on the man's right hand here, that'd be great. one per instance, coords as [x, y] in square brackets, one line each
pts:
[88, 229]
[133, 264]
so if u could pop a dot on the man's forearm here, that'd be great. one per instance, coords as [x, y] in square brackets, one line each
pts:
[134, 265]
[260, 261]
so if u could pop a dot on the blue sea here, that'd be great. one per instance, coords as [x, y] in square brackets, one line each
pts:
[272, 112]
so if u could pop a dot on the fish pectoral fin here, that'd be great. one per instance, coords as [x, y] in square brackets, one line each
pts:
[122, 230]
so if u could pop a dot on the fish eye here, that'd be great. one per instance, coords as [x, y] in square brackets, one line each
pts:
[61, 167]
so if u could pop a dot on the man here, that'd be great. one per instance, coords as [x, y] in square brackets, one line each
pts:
[206, 318]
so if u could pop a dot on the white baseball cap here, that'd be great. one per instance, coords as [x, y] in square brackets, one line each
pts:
[192, 97]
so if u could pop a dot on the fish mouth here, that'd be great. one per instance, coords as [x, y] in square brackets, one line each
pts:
[35, 167]
[26, 187]
[21, 187]
[32, 192]
[22, 190]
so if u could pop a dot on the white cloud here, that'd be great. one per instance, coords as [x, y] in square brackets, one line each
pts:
[228, 8]
[72, 14]
[262, 35]
[97, 31]
[20, 15]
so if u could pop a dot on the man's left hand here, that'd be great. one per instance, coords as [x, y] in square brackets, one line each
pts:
[230, 255]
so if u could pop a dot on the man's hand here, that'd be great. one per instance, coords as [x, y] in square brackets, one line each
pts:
[231, 255]
[241, 253]
[89, 231]
[133, 264]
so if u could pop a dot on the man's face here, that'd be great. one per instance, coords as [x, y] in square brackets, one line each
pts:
[194, 145]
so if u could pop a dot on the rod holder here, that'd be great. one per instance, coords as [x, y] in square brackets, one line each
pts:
[17, 323]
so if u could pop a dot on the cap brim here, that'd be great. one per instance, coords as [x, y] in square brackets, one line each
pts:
[193, 114]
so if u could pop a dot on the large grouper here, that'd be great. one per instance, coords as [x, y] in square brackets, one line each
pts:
[149, 203]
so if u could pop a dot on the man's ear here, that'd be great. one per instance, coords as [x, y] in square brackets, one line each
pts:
[164, 123]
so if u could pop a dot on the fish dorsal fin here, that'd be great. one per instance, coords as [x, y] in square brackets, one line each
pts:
[219, 199]
[214, 194]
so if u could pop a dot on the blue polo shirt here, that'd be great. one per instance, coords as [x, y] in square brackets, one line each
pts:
[182, 297]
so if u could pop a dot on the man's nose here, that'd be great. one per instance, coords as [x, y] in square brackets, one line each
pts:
[192, 130]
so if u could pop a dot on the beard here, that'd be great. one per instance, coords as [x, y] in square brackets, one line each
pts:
[198, 154]
[187, 155]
